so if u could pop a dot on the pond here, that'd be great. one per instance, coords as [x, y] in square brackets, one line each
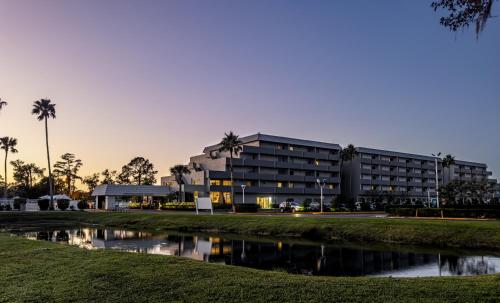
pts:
[286, 255]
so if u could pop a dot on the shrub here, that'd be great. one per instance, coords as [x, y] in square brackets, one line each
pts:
[44, 204]
[18, 202]
[177, 205]
[63, 204]
[246, 208]
[81, 205]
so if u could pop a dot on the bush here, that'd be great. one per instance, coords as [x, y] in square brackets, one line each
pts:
[44, 204]
[63, 204]
[18, 202]
[177, 205]
[81, 205]
[246, 208]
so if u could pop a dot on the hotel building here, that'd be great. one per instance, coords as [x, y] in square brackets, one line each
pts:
[271, 169]
[402, 177]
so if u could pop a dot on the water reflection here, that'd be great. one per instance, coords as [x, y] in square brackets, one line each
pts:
[329, 260]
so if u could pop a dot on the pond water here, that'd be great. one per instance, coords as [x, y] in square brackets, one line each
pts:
[286, 256]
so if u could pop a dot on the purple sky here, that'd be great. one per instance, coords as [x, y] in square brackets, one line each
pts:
[163, 79]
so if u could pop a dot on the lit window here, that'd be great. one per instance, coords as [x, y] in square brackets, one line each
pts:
[215, 197]
[227, 198]
[316, 162]
[280, 184]
[226, 182]
[214, 182]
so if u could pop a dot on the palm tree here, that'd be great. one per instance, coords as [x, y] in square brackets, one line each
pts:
[2, 103]
[231, 143]
[447, 162]
[9, 145]
[348, 154]
[178, 171]
[44, 109]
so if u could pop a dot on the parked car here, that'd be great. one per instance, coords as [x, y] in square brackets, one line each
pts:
[290, 207]
[315, 206]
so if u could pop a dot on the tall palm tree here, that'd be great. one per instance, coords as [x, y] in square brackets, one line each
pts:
[9, 145]
[447, 162]
[231, 143]
[178, 171]
[348, 154]
[2, 103]
[44, 110]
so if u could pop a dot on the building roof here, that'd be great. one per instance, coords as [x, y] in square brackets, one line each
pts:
[278, 139]
[130, 190]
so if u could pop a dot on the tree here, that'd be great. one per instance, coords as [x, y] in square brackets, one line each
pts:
[178, 171]
[25, 174]
[231, 143]
[138, 171]
[91, 182]
[2, 103]
[44, 110]
[8, 144]
[109, 176]
[68, 168]
[348, 154]
[463, 13]
[448, 161]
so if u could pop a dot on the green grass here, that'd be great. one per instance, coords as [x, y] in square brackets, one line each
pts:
[37, 271]
[440, 233]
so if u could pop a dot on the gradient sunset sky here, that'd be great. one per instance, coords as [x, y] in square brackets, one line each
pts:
[163, 79]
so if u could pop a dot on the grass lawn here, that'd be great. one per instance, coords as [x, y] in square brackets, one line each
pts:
[36, 271]
[441, 233]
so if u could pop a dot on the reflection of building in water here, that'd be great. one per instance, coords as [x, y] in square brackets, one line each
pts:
[290, 257]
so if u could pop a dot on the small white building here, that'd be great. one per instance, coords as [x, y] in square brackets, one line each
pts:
[110, 196]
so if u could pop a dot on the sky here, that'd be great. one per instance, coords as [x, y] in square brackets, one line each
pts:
[163, 79]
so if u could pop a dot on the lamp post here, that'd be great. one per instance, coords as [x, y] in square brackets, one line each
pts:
[436, 156]
[321, 184]
[243, 188]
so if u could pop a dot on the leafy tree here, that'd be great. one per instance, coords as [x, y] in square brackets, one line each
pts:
[178, 171]
[25, 174]
[44, 110]
[8, 144]
[91, 182]
[68, 168]
[2, 103]
[109, 177]
[448, 161]
[347, 155]
[463, 13]
[138, 171]
[231, 143]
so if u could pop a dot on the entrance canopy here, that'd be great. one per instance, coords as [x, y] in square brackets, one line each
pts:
[131, 190]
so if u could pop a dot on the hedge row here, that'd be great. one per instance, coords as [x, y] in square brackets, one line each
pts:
[445, 212]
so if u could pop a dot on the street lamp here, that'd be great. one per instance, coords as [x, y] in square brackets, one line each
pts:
[321, 184]
[436, 156]
[243, 188]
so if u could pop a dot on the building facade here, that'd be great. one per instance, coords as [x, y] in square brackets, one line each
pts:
[376, 175]
[269, 169]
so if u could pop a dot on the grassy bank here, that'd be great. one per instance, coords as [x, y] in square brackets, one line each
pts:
[36, 271]
[464, 234]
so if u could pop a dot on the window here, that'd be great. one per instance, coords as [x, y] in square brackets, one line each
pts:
[280, 184]
[386, 178]
[226, 183]
[366, 156]
[366, 166]
[215, 197]
[316, 162]
[215, 182]
[385, 168]
[227, 198]
[366, 177]
[290, 184]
